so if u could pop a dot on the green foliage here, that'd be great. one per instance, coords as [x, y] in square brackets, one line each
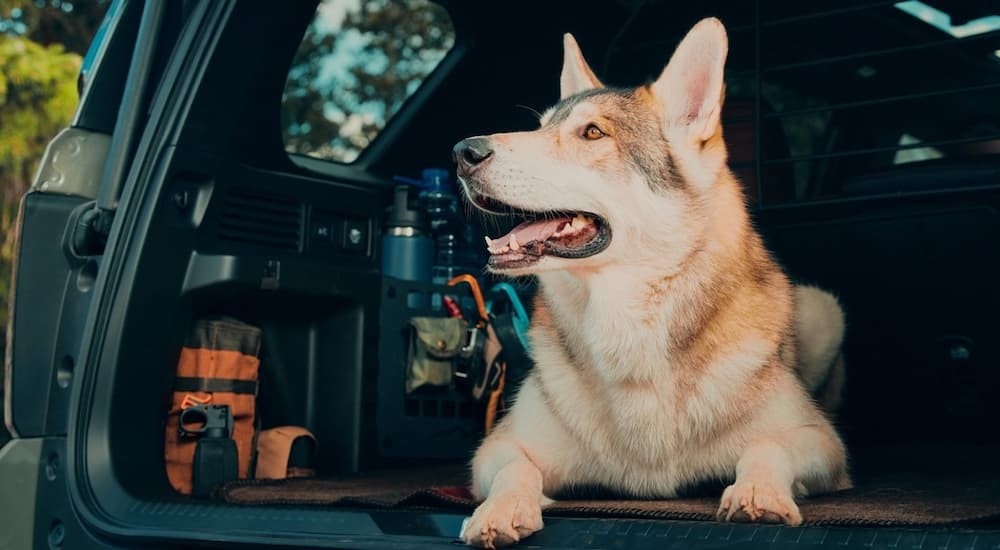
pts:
[37, 99]
[71, 23]
[349, 78]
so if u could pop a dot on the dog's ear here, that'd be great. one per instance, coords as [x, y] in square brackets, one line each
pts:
[576, 74]
[690, 88]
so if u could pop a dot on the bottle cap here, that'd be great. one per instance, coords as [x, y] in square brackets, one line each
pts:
[435, 179]
[400, 214]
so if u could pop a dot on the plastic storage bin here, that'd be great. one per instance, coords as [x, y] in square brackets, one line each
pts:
[438, 422]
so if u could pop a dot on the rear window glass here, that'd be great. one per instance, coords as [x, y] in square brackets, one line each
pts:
[835, 98]
[357, 64]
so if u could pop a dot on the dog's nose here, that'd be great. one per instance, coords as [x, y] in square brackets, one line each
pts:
[471, 153]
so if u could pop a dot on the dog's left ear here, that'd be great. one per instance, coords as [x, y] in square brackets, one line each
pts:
[690, 88]
[576, 74]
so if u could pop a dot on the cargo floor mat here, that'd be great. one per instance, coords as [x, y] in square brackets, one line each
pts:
[893, 488]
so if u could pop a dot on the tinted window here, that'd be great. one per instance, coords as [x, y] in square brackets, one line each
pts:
[359, 61]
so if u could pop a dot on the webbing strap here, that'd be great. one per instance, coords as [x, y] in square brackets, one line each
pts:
[213, 385]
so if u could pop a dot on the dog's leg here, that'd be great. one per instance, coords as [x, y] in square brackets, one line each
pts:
[527, 452]
[512, 486]
[773, 470]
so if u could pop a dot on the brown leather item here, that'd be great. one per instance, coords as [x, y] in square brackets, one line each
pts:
[218, 365]
[274, 447]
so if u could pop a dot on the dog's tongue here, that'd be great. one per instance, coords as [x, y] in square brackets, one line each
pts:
[526, 233]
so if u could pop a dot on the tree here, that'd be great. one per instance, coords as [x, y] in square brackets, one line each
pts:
[350, 76]
[71, 23]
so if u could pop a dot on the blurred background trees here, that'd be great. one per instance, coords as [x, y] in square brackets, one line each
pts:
[70, 23]
[357, 64]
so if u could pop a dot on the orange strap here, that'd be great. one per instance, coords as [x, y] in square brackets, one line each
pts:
[494, 404]
[477, 294]
[191, 400]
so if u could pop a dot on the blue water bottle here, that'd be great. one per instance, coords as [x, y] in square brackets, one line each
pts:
[438, 199]
[407, 249]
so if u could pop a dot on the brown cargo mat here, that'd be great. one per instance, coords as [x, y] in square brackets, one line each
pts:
[964, 492]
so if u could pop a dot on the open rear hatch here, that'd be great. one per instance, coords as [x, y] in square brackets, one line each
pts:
[219, 221]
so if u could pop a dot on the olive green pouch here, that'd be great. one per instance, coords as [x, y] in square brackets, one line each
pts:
[435, 343]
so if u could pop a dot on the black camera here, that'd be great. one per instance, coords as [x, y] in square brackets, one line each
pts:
[215, 456]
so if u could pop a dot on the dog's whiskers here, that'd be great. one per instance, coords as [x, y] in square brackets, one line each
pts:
[532, 111]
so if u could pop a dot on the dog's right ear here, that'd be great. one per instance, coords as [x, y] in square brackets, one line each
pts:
[691, 86]
[576, 74]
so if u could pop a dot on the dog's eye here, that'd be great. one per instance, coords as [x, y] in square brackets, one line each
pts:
[593, 132]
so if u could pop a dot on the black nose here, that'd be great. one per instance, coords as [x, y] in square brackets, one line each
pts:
[470, 153]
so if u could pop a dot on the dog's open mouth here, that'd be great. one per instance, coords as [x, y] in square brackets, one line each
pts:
[564, 234]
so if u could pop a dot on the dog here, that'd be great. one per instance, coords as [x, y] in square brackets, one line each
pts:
[670, 347]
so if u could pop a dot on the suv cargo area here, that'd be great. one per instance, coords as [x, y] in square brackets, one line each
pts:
[865, 134]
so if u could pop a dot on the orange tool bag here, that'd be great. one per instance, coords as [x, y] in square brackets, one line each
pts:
[213, 406]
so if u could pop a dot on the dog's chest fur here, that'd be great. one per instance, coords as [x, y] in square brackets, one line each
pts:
[613, 370]
[608, 356]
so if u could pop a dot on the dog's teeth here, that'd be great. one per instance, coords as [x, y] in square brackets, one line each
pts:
[513, 244]
[489, 242]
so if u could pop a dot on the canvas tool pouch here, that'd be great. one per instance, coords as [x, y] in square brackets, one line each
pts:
[284, 452]
[435, 343]
[218, 365]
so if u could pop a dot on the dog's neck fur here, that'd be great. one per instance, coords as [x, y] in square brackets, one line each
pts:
[601, 312]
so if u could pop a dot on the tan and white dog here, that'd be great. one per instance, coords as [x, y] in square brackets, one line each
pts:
[670, 347]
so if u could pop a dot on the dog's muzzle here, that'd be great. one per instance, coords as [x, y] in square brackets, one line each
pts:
[568, 234]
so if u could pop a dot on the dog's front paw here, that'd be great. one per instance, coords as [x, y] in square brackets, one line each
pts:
[502, 520]
[758, 502]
